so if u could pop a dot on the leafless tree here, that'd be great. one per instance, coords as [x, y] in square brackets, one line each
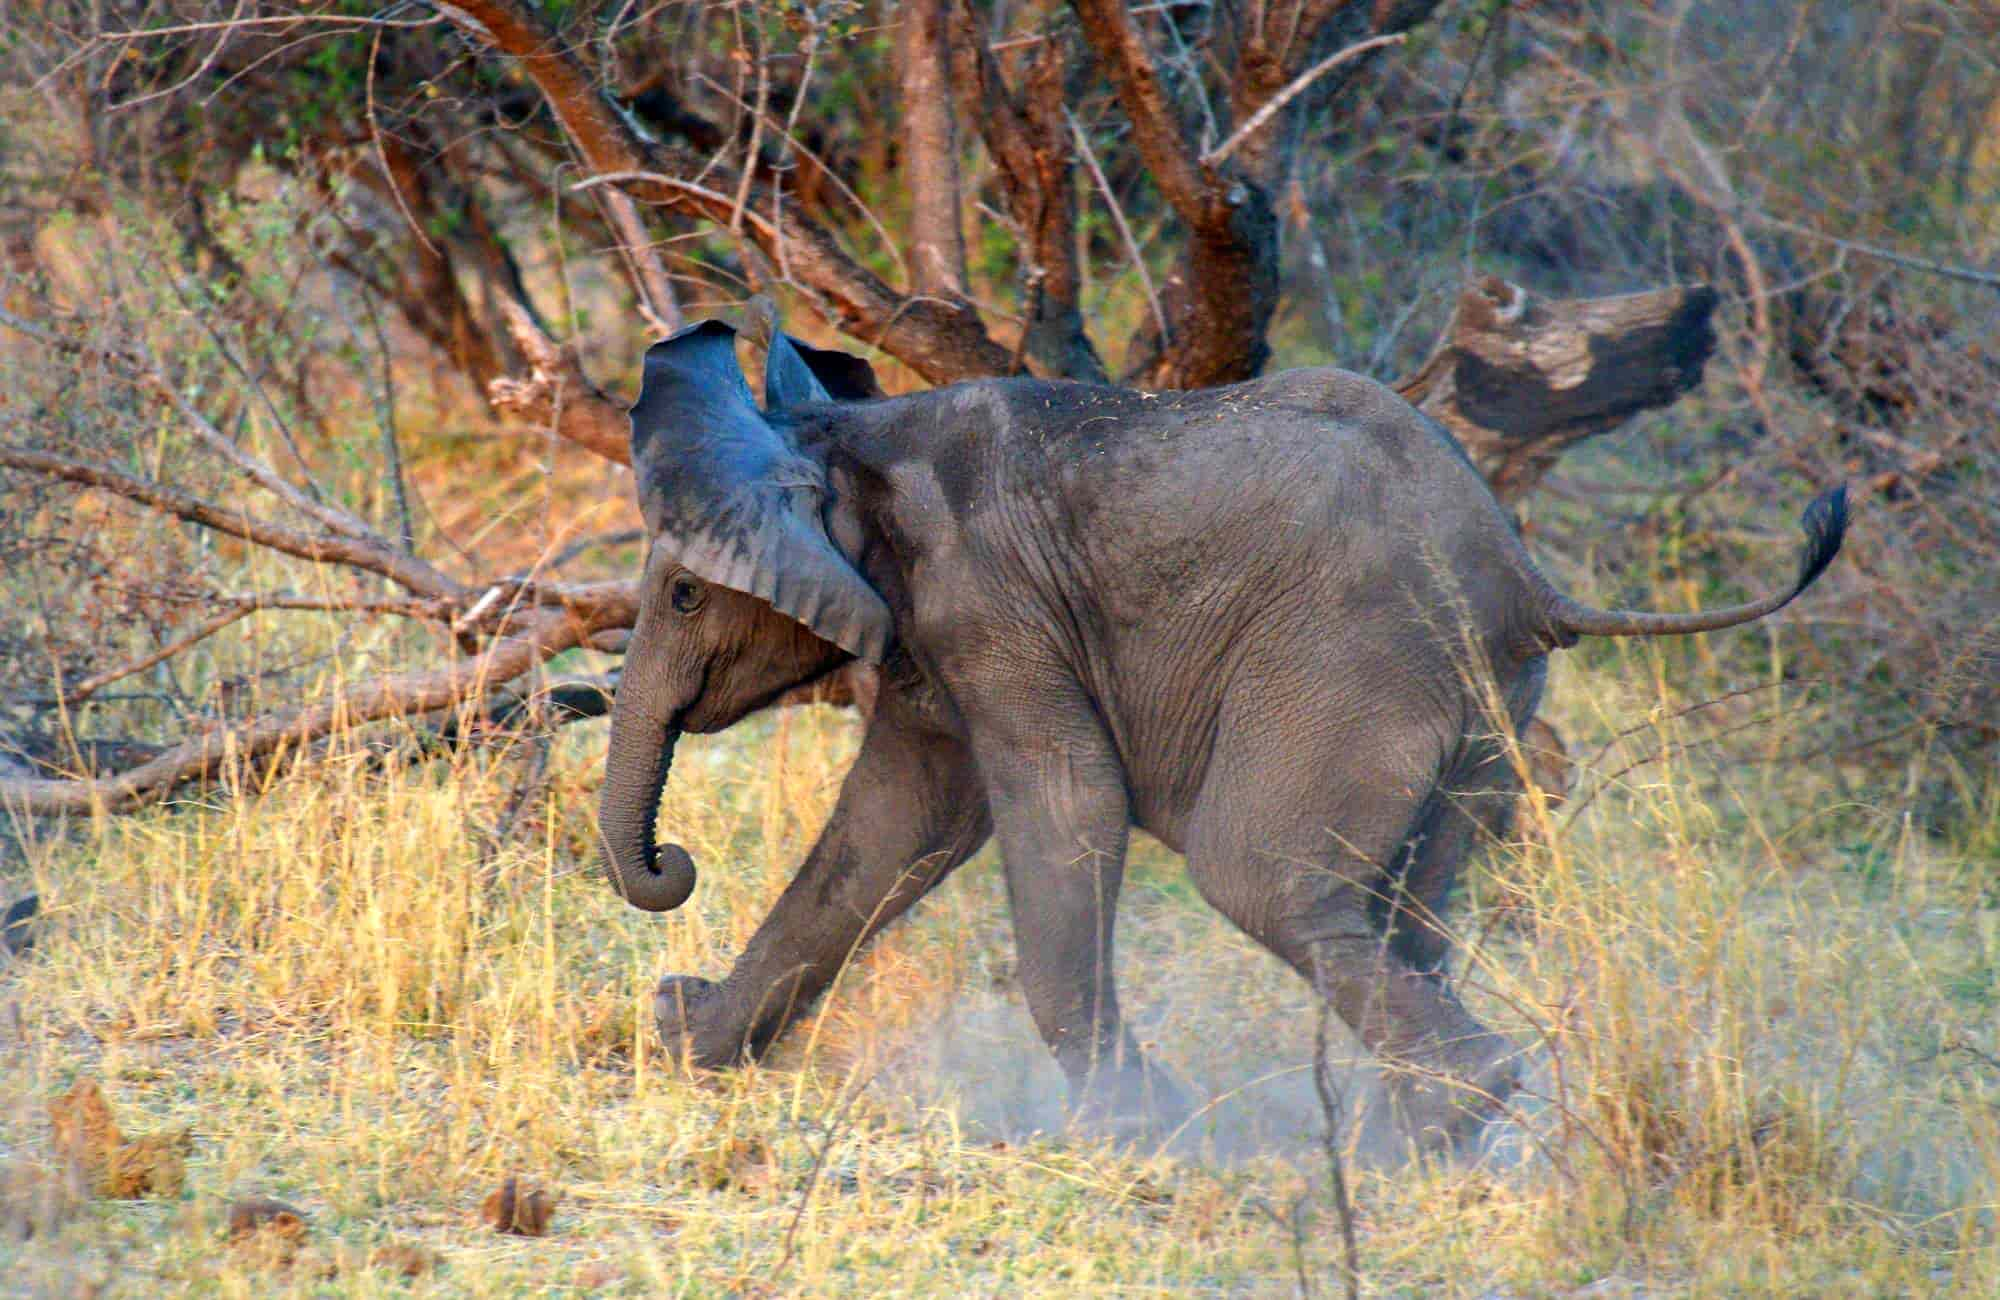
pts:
[948, 184]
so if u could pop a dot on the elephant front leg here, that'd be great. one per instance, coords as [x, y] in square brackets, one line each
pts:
[910, 811]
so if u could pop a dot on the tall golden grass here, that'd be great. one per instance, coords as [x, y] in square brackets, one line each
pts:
[1760, 1014]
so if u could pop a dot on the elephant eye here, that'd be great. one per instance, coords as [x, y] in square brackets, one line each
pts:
[687, 595]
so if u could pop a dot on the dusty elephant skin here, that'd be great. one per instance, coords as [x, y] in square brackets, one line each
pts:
[1239, 618]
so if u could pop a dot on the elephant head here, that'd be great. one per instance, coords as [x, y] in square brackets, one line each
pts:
[744, 594]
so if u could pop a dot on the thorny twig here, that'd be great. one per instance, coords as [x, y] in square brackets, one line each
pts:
[1297, 86]
[1293, 1222]
[1118, 219]
[1332, 1111]
[833, 1132]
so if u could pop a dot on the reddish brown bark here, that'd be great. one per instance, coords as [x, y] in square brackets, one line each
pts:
[1029, 141]
[940, 340]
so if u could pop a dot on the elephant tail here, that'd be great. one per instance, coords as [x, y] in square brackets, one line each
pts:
[1824, 524]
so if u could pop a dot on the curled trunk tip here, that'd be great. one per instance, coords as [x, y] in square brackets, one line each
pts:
[660, 885]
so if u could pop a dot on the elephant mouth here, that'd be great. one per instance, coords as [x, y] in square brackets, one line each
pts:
[694, 718]
[702, 718]
[776, 693]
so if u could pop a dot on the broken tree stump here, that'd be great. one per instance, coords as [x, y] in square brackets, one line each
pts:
[1518, 379]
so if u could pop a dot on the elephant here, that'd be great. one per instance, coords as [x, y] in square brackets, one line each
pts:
[1271, 624]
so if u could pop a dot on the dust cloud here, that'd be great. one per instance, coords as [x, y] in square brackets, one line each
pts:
[1250, 1087]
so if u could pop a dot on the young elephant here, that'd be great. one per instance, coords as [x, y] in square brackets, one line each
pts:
[1245, 619]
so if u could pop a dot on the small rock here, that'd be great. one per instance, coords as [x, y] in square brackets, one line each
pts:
[402, 1259]
[17, 930]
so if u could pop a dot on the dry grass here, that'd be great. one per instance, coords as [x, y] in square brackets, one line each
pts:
[1763, 1012]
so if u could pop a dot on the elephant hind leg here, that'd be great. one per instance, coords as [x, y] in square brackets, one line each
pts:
[1471, 807]
[1301, 856]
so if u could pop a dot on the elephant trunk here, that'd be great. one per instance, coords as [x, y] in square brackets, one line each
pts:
[644, 727]
[652, 877]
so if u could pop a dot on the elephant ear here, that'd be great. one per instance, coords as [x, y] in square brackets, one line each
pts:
[735, 501]
[797, 372]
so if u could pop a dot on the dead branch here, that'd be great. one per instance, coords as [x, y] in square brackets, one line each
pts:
[1117, 212]
[201, 631]
[557, 395]
[834, 1130]
[235, 608]
[534, 640]
[1334, 1114]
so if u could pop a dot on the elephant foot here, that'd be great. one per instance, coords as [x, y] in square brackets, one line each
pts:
[1448, 1113]
[695, 1024]
[1128, 1102]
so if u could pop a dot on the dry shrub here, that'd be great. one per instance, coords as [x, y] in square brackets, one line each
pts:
[1763, 1159]
[519, 1209]
[87, 1136]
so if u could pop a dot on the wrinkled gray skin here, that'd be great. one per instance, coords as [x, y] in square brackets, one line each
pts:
[1238, 618]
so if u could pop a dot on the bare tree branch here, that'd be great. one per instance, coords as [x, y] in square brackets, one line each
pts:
[1117, 211]
[148, 376]
[1028, 137]
[372, 556]
[1333, 1112]
[1156, 127]
[1258, 120]
[557, 395]
[1222, 305]
[201, 631]
[940, 340]
[649, 277]
[234, 609]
